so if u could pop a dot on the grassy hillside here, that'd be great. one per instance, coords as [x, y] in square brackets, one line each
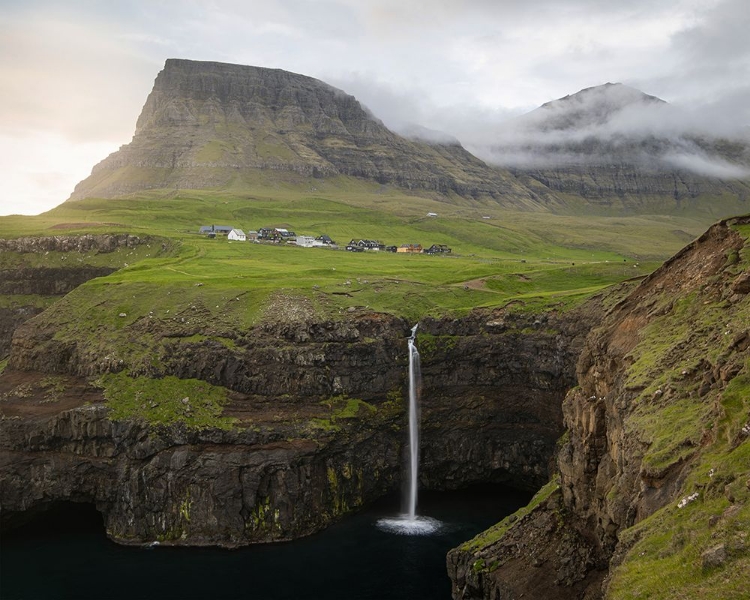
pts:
[498, 256]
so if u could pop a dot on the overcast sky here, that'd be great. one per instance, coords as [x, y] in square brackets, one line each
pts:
[74, 75]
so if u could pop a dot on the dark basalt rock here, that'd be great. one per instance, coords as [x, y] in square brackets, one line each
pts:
[570, 544]
[490, 412]
[50, 281]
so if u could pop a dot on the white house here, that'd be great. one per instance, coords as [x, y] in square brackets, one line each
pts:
[306, 241]
[431, 214]
[237, 235]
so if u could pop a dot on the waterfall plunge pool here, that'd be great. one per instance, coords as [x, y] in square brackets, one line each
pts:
[65, 554]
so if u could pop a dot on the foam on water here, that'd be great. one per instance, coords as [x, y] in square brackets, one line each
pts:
[406, 525]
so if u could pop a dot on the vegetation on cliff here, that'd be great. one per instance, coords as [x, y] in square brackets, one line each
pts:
[654, 467]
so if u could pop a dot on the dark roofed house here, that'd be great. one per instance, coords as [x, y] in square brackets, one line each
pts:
[438, 249]
[326, 240]
[206, 229]
[265, 233]
[368, 244]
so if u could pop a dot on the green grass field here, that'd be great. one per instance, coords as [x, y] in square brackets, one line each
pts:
[498, 256]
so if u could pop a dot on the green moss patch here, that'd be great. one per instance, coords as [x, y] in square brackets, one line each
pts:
[195, 403]
[496, 532]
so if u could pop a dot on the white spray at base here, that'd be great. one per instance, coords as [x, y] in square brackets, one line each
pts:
[408, 523]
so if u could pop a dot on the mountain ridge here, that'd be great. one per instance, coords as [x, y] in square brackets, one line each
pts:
[204, 123]
[210, 125]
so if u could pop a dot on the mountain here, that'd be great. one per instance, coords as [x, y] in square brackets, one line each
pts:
[591, 106]
[611, 148]
[613, 145]
[213, 125]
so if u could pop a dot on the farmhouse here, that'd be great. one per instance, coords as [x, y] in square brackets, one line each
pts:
[368, 244]
[306, 241]
[410, 248]
[438, 249]
[325, 240]
[276, 234]
[236, 235]
[252, 236]
[223, 229]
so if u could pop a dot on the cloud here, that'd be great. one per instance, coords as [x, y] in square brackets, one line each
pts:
[40, 170]
[707, 166]
[614, 124]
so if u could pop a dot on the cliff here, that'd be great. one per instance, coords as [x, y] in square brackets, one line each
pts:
[212, 125]
[36, 271]
[281, 431]
[651, 494]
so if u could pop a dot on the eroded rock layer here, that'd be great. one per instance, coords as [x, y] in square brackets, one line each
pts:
[209, 125]
[657, 445]
[319, 423]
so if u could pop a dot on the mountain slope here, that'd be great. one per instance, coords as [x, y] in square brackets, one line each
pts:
[209, 125]
[613, 145]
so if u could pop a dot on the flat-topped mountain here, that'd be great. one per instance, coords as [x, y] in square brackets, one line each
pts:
[211, 125]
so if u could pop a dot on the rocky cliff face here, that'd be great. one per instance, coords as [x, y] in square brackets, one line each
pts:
[206, 125]
[657, 445]
[318, 430]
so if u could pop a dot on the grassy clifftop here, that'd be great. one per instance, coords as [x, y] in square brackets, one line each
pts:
[653, 498]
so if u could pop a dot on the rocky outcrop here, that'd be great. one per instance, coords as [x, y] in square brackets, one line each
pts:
[176, 486]
[102, 243]
[207, 124]
[41, 281]
[652, 426]
[34, 284]
[493, 384]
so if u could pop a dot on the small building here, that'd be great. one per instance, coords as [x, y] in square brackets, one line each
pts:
[222, 229]
[410, 248]
[265, 233]
[325, 240]
[438, 249]
[236, 235]
[431, 214]
[368, 244]
[306, 241]
[276, 234]
[252, 236]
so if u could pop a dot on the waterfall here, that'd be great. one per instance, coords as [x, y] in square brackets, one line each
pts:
[415, 377]
[408, 523]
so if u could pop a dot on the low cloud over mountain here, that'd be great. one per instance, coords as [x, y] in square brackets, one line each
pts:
[616, 124]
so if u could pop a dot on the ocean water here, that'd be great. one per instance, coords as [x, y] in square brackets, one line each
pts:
[65, 554]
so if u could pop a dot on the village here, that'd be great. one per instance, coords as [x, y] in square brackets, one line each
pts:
[277, 235]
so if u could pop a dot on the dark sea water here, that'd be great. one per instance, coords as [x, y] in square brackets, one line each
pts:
[65, 554]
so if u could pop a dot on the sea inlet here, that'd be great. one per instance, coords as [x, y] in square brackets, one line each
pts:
[65, 554]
